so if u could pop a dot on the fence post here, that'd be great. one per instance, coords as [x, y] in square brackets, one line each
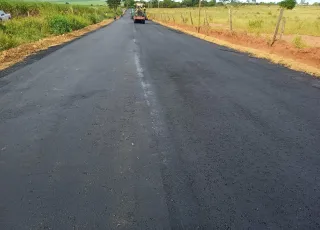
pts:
[277, 26]
[182, 18]
[199, 16]
[283, 27]
[230, 19]
[205, 12]
[191, 18]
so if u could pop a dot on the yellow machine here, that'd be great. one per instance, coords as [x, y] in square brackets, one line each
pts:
[140, 13]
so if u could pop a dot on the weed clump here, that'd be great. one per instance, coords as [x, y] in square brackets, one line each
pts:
[255, 24]
[298, 42]
[59, 24]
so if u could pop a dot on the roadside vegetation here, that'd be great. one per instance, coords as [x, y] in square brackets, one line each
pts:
[32, 21]
[258, 19]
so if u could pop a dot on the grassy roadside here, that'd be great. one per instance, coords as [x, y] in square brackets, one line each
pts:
[256, 19]
[33, 21]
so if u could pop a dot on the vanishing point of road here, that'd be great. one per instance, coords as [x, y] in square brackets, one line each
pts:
[142, 127]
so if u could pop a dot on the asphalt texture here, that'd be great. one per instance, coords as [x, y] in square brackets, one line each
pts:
[142, 127]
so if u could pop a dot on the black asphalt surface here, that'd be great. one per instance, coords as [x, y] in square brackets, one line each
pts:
[142, 127]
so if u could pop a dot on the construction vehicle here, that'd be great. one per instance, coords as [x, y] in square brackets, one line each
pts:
[140, 13]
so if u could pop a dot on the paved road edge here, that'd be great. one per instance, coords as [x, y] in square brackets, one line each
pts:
[10, 57]
[289, 63]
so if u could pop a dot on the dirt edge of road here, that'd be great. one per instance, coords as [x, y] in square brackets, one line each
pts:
[293, 59]
[14, 55]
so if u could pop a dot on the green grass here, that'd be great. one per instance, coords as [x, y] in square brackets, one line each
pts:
[72, 2]
[35, 20]
[303, 20]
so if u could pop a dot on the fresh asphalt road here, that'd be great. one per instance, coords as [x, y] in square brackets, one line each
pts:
[141, 127]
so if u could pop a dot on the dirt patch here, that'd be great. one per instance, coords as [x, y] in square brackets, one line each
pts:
[308, 40]
[12, 56]
[282, 52]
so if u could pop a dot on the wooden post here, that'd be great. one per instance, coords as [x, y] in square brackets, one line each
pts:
[182, 18]
[283, 27]
[199, 16]
[277, 26]
[191, 18]
[205, 12]
[230, 19]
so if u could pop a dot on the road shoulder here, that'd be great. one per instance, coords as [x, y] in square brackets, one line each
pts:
[273, 57]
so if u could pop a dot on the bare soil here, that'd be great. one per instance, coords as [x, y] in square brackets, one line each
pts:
[308, 40]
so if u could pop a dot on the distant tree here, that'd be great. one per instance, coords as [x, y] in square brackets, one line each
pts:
[154, 3]
[131, 3]
[288, 4]
[168, 4]
[204, 3]
[212, 3]
[113, 4]
[187, 3]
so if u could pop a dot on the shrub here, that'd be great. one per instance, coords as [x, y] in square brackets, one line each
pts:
[59, 24]
[255, 24]
[95, 18]
[298, 42]
[7, 42]
[77, 22]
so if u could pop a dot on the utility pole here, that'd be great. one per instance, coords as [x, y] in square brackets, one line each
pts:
[199, 16]
[158, 4]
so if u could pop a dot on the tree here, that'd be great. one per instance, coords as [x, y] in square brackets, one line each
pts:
[168, 4]
[285, 4]
[154, 3]
[113, 4]
[288, 4]
[212, 3]
[187, 3]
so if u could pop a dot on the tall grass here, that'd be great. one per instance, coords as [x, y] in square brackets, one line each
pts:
[35, 20]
